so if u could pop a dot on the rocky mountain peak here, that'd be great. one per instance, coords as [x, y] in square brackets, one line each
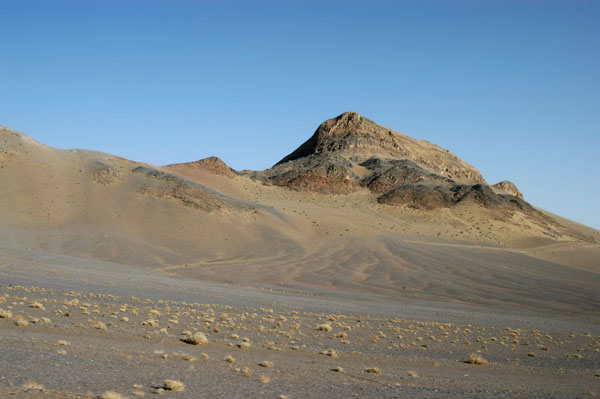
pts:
[359, 139]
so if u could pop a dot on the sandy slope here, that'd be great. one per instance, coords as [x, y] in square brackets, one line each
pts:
[199, 224]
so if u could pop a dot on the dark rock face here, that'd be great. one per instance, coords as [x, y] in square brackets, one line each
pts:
[416, 196]
[352, 135]
[349, 152]
[392, 173]
[420, 196]
[330, 174]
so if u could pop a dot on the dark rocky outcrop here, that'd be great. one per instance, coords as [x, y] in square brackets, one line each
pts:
[349, 152]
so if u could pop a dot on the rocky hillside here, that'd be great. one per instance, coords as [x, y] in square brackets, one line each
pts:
[349, 152]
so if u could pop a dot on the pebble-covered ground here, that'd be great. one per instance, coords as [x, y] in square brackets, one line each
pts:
[56, 343]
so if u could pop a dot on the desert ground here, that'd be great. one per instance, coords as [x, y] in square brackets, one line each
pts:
[122, 279]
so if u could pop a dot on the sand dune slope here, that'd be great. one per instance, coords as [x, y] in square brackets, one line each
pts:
[90, 204]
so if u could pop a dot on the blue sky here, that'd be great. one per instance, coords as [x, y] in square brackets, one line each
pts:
[512, 87]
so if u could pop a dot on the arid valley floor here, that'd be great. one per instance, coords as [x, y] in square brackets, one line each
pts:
[365, 264]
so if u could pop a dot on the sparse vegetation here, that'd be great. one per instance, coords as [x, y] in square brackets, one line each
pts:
[5, 314]
[373, 370]
[99, 325]
[476, 358]
[195, 339]
[174, 385]
[32, 386]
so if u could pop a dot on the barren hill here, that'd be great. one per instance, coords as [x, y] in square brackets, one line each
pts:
[358, 207]
[97, 205]
[349, 152]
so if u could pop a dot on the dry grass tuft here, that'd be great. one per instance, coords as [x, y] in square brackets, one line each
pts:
[329, 352]
[5, 314]
[265, 379]
[98, 325]
[324, 327]
[266, 363]
[21, 322]
[412, 374]
[62, 342]
[229, 359]
[196, 339]
[244, 345]
[475, 358]
[174, 385]
[36, 305]
[32, 386]
[373, 370]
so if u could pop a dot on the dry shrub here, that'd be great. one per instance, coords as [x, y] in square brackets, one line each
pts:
[36, 305]
[174, 385]
[330, 352]
[373, 370]
[264, 379]
[475, 358]
[195, 339]
[266, 363]
[21, 322]
[244, 345]
[98, 325]
[324, 327]
[32, 386]
[229, 359]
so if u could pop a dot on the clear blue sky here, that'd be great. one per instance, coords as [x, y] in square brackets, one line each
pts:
[512, 87]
